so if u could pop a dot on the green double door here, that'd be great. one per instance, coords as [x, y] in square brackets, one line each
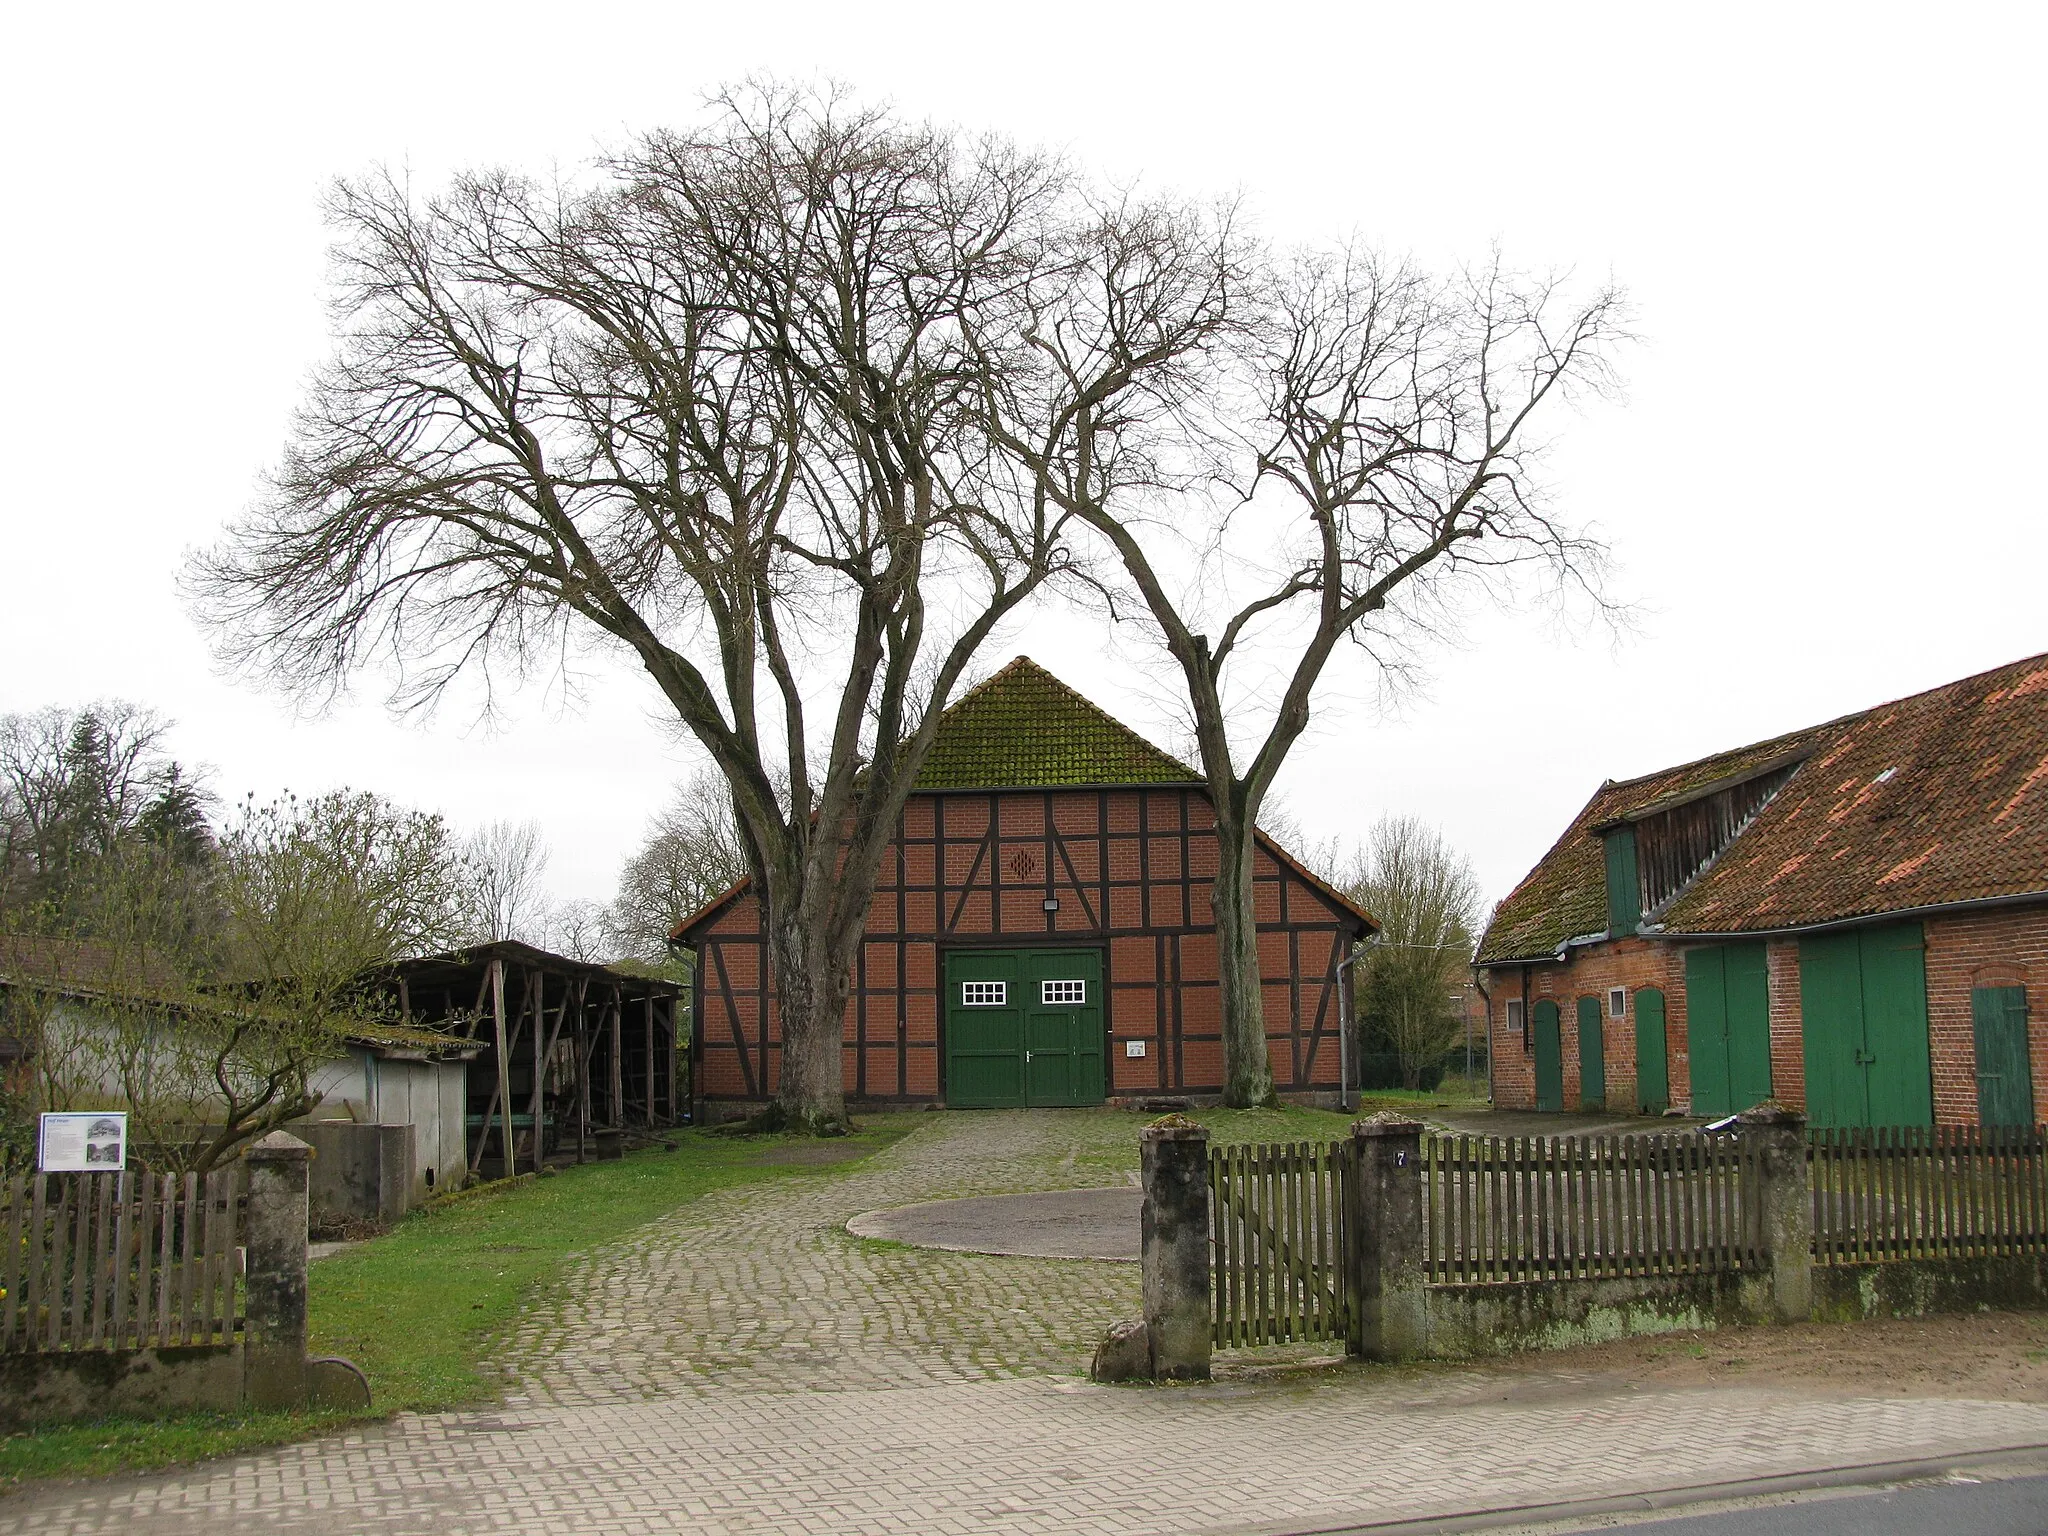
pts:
[1728, 1027]
[1863, 1013]
[1024, 1027]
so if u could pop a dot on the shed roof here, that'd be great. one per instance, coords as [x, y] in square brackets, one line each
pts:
[1932, 800]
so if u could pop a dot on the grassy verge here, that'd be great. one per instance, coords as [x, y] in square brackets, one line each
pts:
[420, 1308]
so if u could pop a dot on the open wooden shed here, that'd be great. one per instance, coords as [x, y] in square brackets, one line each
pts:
[574, 1054]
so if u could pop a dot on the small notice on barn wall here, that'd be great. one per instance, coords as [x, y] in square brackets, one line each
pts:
[90, 1143]
[1134, 1048]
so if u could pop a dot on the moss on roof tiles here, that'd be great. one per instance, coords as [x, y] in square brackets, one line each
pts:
[1933, 799]
[1565, 896]
[1025, 729]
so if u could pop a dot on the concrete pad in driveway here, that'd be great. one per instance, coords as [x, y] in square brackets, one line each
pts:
[1056, 1224]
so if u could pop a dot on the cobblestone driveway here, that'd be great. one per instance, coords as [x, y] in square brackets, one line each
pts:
[745, 1366]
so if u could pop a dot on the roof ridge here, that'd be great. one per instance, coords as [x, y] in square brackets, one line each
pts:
[1952, 685]
[956, 762]
[1741, 751]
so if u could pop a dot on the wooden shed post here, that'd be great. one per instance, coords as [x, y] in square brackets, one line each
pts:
[647, 1017]
[504, 1071]
[617, 1114]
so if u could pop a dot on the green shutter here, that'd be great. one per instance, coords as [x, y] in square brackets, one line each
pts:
[2005, 1077]
[1624, 895]
[1592, 1056]
[1653, 1074]
[1549, 1058]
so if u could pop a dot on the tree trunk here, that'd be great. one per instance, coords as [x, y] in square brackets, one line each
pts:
[1247, 1066]
[812, 984]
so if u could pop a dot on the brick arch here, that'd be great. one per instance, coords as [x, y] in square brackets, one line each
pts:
[2001, 973]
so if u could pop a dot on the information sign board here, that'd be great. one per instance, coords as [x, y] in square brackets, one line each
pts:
[89, 1143]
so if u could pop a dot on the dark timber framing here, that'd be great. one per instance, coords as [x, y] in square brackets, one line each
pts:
[1124, 869]
[590, 1049]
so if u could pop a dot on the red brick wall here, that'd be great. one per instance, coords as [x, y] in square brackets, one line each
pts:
[1131, 870]
[1592, 971]
[2007, 947]
[1999, 948]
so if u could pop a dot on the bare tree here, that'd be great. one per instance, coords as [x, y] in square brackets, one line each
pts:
[580, 929]
[1426, 898]
[692, 853]
[728, 407]
[1371, 432]
[507, 862]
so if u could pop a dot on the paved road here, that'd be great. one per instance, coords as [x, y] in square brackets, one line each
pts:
[748, 1366]
[2003, 1507]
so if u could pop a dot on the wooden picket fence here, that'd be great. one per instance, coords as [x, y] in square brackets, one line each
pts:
[118, 1260]
[1278, 1271]
[1928, 1192]
[1509, 1208]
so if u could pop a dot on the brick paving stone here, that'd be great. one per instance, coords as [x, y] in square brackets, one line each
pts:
[744, 1366]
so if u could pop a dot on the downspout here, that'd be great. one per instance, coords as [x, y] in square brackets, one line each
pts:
[1487, 998]
[1344, 1014]
[1344, 1028]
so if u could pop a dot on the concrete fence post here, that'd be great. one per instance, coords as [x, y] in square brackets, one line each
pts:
[1174, 1245]
[1776, 1137]
[1388, 1320]
[274, 1332]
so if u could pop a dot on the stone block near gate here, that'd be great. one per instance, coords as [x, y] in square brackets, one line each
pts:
[1174, 1247]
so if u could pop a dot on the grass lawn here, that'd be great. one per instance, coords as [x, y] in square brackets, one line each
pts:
[420, 1308]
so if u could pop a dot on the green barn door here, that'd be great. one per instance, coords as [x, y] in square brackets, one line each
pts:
[984, 1030]
[1728, 1027]
[1592, 1056]
[1063, 1027]
[1549, 1058]
[1024, 1027]
[1653, 1072]
[1899, 1071]
[1863, 1022]
[2005, 1078]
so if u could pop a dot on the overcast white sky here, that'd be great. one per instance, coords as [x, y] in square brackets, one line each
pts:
[1830, 219]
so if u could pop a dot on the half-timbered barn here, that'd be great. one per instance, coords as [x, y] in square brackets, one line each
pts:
[1041, 933]
[1851, 919]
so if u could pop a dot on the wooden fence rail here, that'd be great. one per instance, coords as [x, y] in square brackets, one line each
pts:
[1510, 1208]
[1928, 1192]
[1278, 1271]
[118, 1260]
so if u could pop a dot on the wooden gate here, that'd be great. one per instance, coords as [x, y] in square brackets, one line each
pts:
[118, 1260]
[1280, 1264]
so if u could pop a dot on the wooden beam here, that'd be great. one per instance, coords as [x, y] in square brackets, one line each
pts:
[647, 1018]
[504, 1069]
[540, 1067]
[618, 1100]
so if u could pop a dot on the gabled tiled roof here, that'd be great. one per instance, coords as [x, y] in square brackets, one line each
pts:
[1565, 896]
[1025, 729]
[1931, 800]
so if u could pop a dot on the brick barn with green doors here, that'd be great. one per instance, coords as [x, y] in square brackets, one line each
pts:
[1041, 932]
[1852, 918]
